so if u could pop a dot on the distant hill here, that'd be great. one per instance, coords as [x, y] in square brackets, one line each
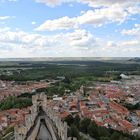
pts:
[66, 59]
[137, 59]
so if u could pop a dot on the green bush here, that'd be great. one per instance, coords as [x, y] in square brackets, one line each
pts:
[14, 102]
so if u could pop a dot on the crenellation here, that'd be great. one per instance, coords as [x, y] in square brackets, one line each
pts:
[21, 131]
[61, 126]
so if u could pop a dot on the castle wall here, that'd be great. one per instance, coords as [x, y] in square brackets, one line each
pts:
[61, 127]
[50, 128]
[21, 131]
[35, 131]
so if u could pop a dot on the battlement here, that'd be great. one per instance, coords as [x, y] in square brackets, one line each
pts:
[40, 100]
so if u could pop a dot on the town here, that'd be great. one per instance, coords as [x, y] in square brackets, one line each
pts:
[113, 105]
[12, 88]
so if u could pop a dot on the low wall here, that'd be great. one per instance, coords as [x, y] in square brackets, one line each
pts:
[35, 131]
[50, 128]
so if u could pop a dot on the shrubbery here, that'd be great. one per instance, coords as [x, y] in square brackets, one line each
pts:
[14, 102]
[89, 127]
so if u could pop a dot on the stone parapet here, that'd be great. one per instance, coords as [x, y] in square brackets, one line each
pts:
[40, 100]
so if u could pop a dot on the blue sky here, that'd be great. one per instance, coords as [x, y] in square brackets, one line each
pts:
[69, 28]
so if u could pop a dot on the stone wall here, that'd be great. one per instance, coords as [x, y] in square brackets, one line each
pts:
[61, 126]
[21, 131]
[35, 131]
[50, 128]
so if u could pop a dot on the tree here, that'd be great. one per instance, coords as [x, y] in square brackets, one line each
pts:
[92, 130]
[69, 119]
[14, 102]
[84, 125]
[74, 131]
[102, 131]
[104, 138]
[123, 138]
[77, 121]
[115, 136]
[67, 80]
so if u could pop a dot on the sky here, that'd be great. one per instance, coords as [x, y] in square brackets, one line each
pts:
[69, 28]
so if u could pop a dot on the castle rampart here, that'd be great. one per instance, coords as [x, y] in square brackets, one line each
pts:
[32, 121]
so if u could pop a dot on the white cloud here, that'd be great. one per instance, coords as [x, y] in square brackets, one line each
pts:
[110, 44]
[23, 44]
[4, 29]
[134, 10]
[126, 48]
[80, 38]
[104, 15]
[33, 22]
[57, 24]
[107, 3]
[106, 11]
[133, 45]
[91, 3]
[53, 3]
[130, 43]
[4, 17]
[79, 43]
[96, 18]
[125, 44]
[132, 32]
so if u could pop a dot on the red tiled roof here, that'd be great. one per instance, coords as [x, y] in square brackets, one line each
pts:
[100, 103]
[119, 108]
[127, 125]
